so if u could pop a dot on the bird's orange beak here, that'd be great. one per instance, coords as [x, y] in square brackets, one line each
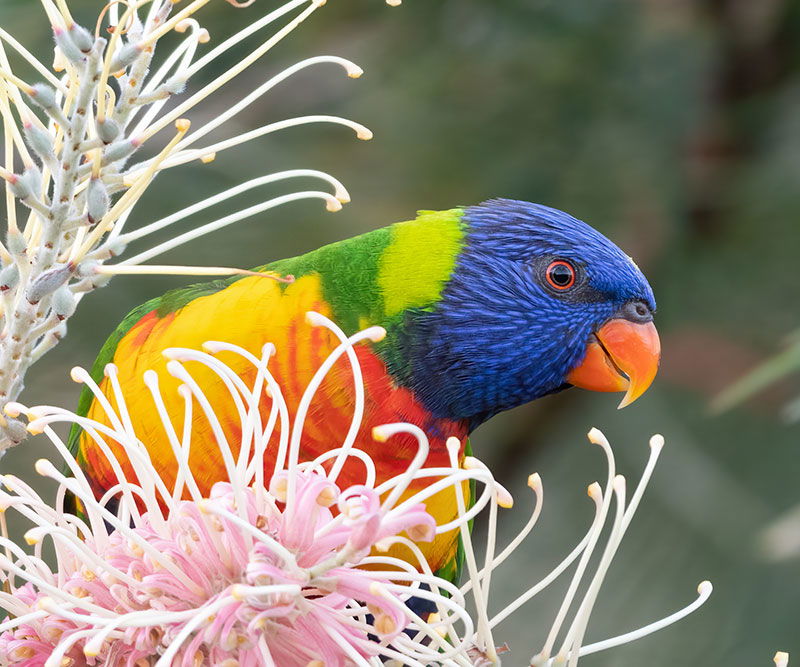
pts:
[620, 356]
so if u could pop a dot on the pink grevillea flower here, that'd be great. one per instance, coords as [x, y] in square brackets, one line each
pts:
[219, 580]
[254, 574]
[290, 571]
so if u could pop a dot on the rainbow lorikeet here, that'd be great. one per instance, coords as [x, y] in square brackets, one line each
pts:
[486, 307]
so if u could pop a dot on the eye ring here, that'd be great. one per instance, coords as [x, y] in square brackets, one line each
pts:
[560, 275]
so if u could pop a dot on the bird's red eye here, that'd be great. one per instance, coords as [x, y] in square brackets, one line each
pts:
[560, 275]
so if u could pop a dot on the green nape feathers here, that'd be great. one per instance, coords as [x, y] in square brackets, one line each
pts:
[369, 278]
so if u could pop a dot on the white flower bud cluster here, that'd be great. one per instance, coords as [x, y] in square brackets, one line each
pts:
[72, 144]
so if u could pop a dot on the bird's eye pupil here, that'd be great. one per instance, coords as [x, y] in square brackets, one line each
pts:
[560, 275]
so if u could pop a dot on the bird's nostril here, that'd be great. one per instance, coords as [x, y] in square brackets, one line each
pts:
[637, 311]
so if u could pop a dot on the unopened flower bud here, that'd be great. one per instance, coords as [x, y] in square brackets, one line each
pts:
[43, 95]
[67, 46]
[19, 186]
[9, 277]
[116, 248]
[120, 150]
[125, 56]
[33, 178]
[107, 130]
[16, 430]
[175, 85]
[110, 250]
[15, 240]
[40, 141]
[87, 268]
[81, 37]
[47, 283]
[64, 302]
[59, 60]
[101, 280]
[97, 200]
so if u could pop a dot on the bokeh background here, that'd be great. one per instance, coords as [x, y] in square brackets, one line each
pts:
[671, 125]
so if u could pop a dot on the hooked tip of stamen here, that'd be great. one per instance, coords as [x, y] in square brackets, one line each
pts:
[77, 374]
[92, 648]
[383, 545]
[376, 334]
[535, 481]
[618, 483]
[316, 319]
[174, 368]
[594, 490]
[657, 442]
[32, 537]
[45, 604]
[376, 588]
[384, 624]
[705, 588]
[333, 204]
[278, 488]
[394, 3]
[14, 409]
[471, 463]
[341, 193]
[380, 433]
[453, 445]
[504, 498]
[150, 377]
[326, 497]
[781, 659]
[109, 370]
[422, 532]
[354, 71]
[596, 437]
[35, 427]
[183, 124]
[208, 158]
[174, 353]
[364, 133]
[43, 467]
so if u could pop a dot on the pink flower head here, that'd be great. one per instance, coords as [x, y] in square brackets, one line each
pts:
[250, 574]
[296, 571]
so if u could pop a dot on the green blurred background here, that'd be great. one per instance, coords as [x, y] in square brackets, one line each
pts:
[671, 125]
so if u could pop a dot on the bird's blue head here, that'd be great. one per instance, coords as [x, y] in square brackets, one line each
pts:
[538, 301]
